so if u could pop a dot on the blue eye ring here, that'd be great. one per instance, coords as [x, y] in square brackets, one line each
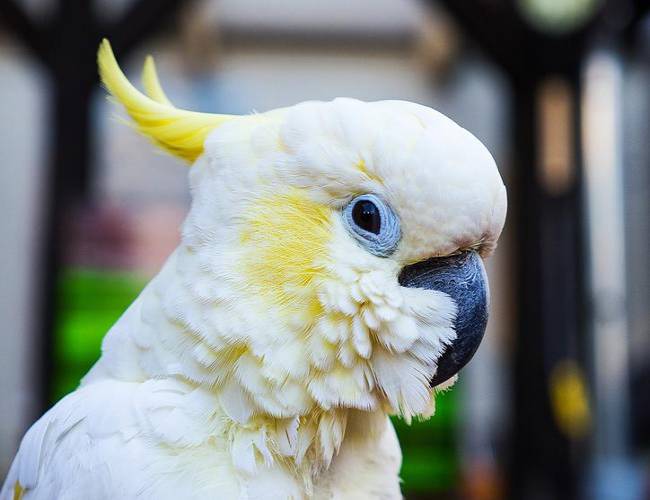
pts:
[381, 242]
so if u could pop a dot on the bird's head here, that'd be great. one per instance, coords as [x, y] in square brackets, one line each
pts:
[333, 250]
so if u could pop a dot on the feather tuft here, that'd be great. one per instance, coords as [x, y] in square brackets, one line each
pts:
[179, 132]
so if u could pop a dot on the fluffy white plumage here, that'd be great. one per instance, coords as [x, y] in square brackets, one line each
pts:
[263, 360]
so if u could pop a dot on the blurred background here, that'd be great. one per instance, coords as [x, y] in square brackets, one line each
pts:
[557, 402]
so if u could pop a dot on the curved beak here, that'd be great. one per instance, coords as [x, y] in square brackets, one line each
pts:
[463, 278]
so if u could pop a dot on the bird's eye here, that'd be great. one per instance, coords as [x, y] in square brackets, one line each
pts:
[365, 214]
[372, 222]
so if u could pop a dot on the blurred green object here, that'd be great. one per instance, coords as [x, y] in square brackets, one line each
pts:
[558, 16]
[430, 461]
[89, 303]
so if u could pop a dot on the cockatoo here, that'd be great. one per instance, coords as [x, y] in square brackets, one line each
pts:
[329, 274]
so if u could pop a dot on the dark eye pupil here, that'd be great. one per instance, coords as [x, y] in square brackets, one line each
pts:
[365, 214]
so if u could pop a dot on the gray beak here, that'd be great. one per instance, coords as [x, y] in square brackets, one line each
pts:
[463, 278]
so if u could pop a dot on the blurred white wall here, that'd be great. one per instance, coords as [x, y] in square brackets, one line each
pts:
[23, 104]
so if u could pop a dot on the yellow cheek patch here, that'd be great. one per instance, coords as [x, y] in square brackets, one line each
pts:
[286, 238]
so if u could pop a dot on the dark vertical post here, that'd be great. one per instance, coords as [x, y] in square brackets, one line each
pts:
[550, 284]
[72, 39]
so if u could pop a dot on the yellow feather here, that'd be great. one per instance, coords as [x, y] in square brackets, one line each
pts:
[179, 132]
[361, 165]
[151, 83]
[286, 237]
[19, 491]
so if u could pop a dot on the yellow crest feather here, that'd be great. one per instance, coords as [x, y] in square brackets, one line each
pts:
[179, 132]
[151, 83]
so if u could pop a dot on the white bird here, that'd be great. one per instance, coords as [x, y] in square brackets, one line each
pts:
[329, 275]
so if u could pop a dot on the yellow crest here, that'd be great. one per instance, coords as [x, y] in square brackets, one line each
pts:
[179, 132]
